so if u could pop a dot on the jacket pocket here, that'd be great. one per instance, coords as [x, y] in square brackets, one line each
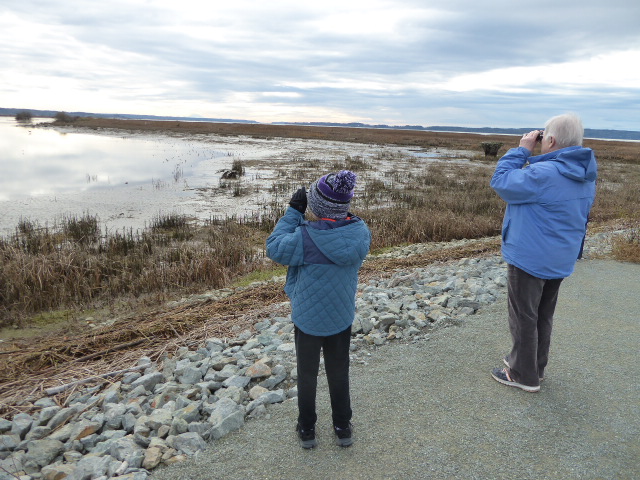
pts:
[505, 230]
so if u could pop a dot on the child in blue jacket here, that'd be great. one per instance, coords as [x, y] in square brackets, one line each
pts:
[324, 256]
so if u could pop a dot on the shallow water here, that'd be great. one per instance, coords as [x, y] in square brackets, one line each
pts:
[128, 178]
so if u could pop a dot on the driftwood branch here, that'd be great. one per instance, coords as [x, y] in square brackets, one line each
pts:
[109, 350]
[67, 386]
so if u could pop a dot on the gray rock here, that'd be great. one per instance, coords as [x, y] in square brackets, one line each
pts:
[356, 326]
[251, 344]
[157, 418]
[190, 413]
[130, 377]
[61, 416]
[90, 441]
[386, 320]
[111, 396]
[38, 433]
[47, 414]
[227, 371]
[138, 475]
[189, 443]
[149, 381]
[276, 396]
[128, 421]
[126, 449]
[260, 411]
[201, 428]
[237, 381]
[104, 448]
[220, 361]
[190, 376]
[286, 347]
[59, 471]
[214, 345]
[169, 367]
[92, 467]
[9, 442]
[43, 452]
[45, 402]
[178, 426]
[5, 425]
[12, 464]
[402, 322]
[236, 394]
[72, 456]
[138, 391]
[141, 437]
[227, 416]
[113, 415]
[251, 406]
[474, 305]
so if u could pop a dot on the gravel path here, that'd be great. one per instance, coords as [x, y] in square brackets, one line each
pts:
[430, 409]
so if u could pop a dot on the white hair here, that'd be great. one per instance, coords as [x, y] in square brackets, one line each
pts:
[567, 129]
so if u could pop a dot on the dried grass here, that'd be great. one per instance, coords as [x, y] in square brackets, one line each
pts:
[626, 248]
[28, 367]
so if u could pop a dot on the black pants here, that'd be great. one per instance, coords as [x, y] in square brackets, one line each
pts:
[532, 302]
[335, 349]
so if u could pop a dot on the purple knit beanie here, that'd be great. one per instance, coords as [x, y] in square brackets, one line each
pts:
[330, 196]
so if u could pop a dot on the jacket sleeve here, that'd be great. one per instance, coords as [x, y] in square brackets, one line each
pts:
[285, 244]
[513, 183]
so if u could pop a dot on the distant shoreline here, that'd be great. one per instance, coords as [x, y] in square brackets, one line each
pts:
[392, 136]
[595, 134]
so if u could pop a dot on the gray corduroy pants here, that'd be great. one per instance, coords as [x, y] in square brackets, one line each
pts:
[532, 302]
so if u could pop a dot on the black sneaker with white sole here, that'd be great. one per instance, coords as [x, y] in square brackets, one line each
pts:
[307, 438]
[344, 436]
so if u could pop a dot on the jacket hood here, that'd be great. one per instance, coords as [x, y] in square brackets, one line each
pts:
[576, 163]
[344, 245]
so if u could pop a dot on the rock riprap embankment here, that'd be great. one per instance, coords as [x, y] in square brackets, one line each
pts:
[167, 411]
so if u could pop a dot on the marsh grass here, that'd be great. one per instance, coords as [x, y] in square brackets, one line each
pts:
[53, 268]
[74, 264]
[626, 248]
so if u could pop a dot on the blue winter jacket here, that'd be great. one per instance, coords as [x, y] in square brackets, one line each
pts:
[323, 258]
[548, 204]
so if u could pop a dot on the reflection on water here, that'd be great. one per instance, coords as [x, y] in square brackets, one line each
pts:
[126, 179]
[44, 161]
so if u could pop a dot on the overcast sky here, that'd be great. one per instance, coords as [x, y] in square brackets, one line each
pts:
[503, 63]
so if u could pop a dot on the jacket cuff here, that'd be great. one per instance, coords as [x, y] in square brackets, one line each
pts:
[291, 210]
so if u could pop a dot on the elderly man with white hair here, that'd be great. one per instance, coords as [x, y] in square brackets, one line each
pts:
[548, 197]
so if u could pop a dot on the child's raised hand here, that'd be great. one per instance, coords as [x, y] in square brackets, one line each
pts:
[299, 200]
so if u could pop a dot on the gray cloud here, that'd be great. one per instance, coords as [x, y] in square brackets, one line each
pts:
[374, 68]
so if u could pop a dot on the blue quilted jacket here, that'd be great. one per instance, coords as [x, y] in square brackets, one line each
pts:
[323, 258]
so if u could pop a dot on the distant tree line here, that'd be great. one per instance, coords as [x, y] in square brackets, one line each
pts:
[61, 117]
[64, 117]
